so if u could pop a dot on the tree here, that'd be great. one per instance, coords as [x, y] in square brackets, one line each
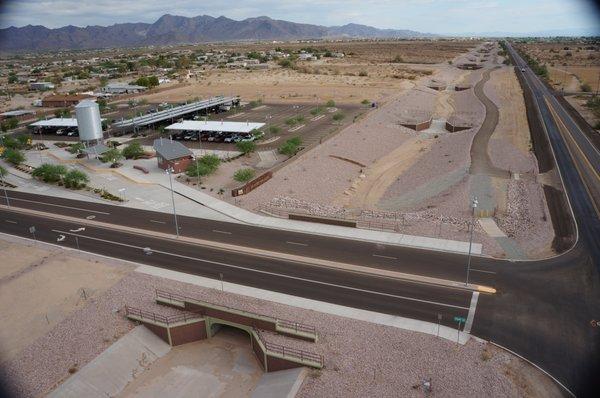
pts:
[13, 156]
[133, 151]
[3, 172]
[204, 166]
[62, 113]
[113, 155]
[245, 147]
[316, 111]
[330, 104]
[49, 172]
[75, 179]
[23, 140]
[286, 63]
[243, 175]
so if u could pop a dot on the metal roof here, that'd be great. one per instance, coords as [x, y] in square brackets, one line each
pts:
[18, 112]
[56, 122]
[226, 127]
[171, 150]
[175, 112]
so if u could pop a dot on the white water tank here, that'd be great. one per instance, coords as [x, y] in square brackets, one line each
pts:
[88, 121]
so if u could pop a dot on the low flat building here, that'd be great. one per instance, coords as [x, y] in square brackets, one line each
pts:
[60, 101]
[122, 88]
[172, 155]
[19, 114]
[41, 86]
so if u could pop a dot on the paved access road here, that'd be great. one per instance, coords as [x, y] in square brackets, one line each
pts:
[542, 310]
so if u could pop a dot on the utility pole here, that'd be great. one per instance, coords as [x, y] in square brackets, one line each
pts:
[474, 204]
[169, 172]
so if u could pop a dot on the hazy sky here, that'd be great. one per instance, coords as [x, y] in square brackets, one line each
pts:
[434, 16]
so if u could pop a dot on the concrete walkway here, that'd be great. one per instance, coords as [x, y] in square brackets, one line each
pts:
[110, 372]
[282, 384]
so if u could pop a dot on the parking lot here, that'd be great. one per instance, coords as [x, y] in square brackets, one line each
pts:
[309, 127]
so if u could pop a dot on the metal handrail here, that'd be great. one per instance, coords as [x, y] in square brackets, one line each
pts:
[290, 352]
[297, 326]
[166, 319]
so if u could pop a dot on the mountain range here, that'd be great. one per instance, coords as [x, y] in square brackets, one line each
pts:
[172, 29]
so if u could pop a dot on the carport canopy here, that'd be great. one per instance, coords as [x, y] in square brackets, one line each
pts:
[56, 122]
[215, 126]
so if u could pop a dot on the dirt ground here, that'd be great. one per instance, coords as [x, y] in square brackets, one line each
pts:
[226, 366]
[222, 366]
[40, 288]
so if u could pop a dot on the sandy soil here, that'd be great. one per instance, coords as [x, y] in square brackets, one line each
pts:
[40, 288]
[361, 359]
[222, 366]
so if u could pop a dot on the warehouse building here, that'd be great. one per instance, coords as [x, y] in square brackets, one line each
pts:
[63, 101]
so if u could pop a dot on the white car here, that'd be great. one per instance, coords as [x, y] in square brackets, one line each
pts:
[60, 132]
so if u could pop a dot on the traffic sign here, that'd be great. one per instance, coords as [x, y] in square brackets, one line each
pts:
[32, 230]
[459, 319]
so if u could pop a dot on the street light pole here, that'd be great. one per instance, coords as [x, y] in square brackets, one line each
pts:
[5, 193]
[474, 204]
[169, 172]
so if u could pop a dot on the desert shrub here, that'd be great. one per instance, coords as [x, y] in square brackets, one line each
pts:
[245, 147]
[585, 87]
[243, 175]
[363, 73]
[75, 179]
[49, 172]
[291, 146]
[274, 130]
[338, 116]
[365, 102]
[398, 59]
[330, 104]
[316, 111]
[76, 148]
[113, 155]
[133, 150]
[13, 156]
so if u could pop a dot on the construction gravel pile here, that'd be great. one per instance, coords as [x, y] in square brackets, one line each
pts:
[361, 359]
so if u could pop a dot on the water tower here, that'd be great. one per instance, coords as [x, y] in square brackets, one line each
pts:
[89, 122]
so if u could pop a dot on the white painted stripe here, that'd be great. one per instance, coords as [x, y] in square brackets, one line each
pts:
[11, 221]
[296, 243]
[480, 270]
[436, 303]
[389, 257]
[471, 316]
[64, 207]
[221, 232]
[158, 222]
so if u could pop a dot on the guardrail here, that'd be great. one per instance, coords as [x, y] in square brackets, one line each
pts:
[289, 352]
[166, 319]
[283, 323]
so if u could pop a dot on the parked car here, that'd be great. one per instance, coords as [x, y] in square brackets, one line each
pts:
[60, 132]
[231, 138]
[204, 136]
[188, 136]
[248, 138]
[73, 133]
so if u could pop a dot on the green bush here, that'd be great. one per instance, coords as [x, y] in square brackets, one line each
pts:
[594, 105]
[286, 63]
[363, 73]
[274, 130]
[291, 146]
[245, 147]
[76, 148]
[133, 150]
[330, 104]
[13, 156]
[23, 140]
[243, 175]
[316, 111]
[75, 179]
[365, 102]
[204, 166]
[3, 172]
[291, 121]
[10, 142]
[49, 172]
[586, 88]
[338, 116]
[113, 155]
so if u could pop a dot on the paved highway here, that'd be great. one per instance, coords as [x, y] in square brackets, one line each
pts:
[542, 310]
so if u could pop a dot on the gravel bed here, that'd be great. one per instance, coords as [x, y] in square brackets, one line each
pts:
[361, 359]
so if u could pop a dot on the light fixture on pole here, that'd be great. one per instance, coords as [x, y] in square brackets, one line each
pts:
[169, 172]
[474, 204]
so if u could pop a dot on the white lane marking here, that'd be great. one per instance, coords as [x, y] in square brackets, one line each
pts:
[55, 205]
[314, 119]
[158, 222]
[268, 272]
[296, 243]
[480, 270]
[221, 232]
[389, 257]
[471, 316]
[78, 229]
[11, 221]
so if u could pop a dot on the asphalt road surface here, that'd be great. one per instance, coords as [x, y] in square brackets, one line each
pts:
[542, 310]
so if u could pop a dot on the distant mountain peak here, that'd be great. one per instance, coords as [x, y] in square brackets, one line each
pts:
[175, 29]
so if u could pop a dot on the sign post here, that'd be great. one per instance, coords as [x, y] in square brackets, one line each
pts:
[32, 232]
[460, 320]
